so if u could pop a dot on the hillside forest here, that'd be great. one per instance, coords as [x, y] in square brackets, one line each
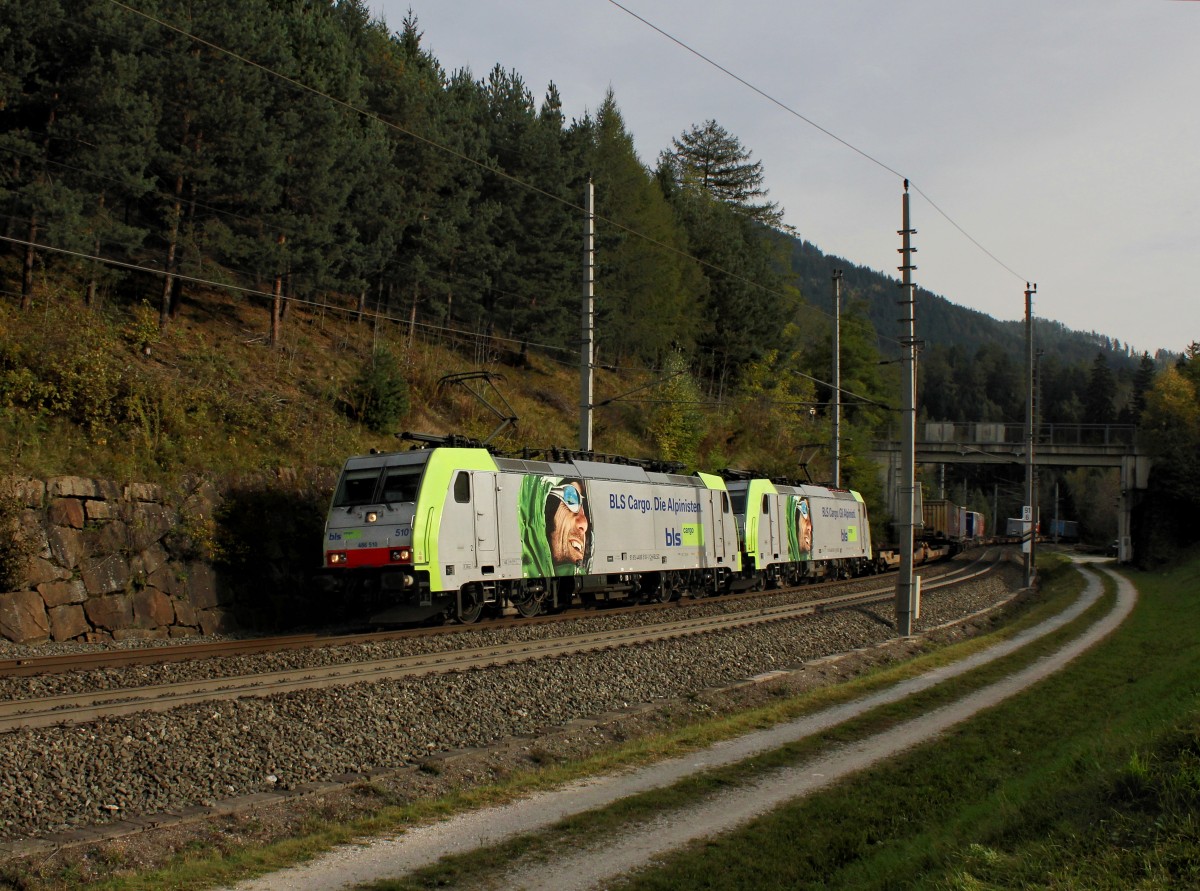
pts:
[247, 236]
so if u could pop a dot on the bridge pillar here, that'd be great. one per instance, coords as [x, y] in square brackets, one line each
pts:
[1125, 516]
[1135, 474]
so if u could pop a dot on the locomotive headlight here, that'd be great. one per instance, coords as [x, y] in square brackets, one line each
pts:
[337, 558]
[400, 555]
[372, 516]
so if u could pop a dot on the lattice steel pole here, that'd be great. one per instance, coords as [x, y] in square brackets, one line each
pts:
[837, 378]
[906, 605]
[1029, 546]
[587, 356]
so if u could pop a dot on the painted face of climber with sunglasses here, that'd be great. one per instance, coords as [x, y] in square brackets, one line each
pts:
[803, 526]
[567, 523]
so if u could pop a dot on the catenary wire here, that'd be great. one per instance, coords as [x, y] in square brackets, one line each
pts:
[255, 292]
[787, 108]
[454, 332]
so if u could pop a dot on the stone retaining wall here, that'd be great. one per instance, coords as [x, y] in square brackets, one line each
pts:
[112, 562]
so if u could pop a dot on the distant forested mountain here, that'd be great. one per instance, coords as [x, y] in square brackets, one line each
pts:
[942, 323]
[972, 365]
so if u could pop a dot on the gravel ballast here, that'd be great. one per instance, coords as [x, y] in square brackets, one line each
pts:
[54, 780]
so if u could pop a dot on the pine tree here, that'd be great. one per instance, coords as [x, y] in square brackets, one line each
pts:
[544, 274]
[1143, 380]
[1101, 389]
[464, 215]
[745, 301]
[430, 244]
[110, 135]
[709, 158]
[322, 152]
[203, 102]
[38, 62]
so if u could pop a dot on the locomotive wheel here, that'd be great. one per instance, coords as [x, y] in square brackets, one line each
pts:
[670, 588]
[472, 604]
[528, 603]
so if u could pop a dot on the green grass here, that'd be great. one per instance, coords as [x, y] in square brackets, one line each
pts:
[586, 829]
[1089, 781]
[1092, 780]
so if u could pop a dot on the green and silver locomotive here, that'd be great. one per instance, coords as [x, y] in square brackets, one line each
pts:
[448, 528]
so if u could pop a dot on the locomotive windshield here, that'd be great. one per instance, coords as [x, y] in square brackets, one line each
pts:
[400, 484]
[357, 487]
[378, 485]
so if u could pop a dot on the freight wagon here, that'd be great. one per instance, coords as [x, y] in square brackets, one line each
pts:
[948, 523]
[1067, 530]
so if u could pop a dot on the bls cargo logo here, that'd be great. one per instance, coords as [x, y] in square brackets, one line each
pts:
[690, 535]
[850, 533]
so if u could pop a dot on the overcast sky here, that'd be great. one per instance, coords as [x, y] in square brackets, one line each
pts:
[1063, 136]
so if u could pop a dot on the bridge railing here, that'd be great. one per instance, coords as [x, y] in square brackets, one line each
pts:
[1087, 434]
[983, 433]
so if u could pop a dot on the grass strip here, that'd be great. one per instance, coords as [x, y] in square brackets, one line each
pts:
[1090, 780]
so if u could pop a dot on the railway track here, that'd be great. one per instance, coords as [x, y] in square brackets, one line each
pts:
[76, 708]
[34, 666]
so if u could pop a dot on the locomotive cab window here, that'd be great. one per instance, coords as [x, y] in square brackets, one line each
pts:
[766, 508]
[725, 502]
[357, 487]
[401, 484]
[462, 487]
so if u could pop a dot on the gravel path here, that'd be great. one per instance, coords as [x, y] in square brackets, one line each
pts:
[390, 858]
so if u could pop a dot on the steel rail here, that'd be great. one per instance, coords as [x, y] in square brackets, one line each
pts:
[33, 666]
[81, 708]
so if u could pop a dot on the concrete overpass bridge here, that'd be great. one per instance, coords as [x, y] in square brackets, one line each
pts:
[1056, 445]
